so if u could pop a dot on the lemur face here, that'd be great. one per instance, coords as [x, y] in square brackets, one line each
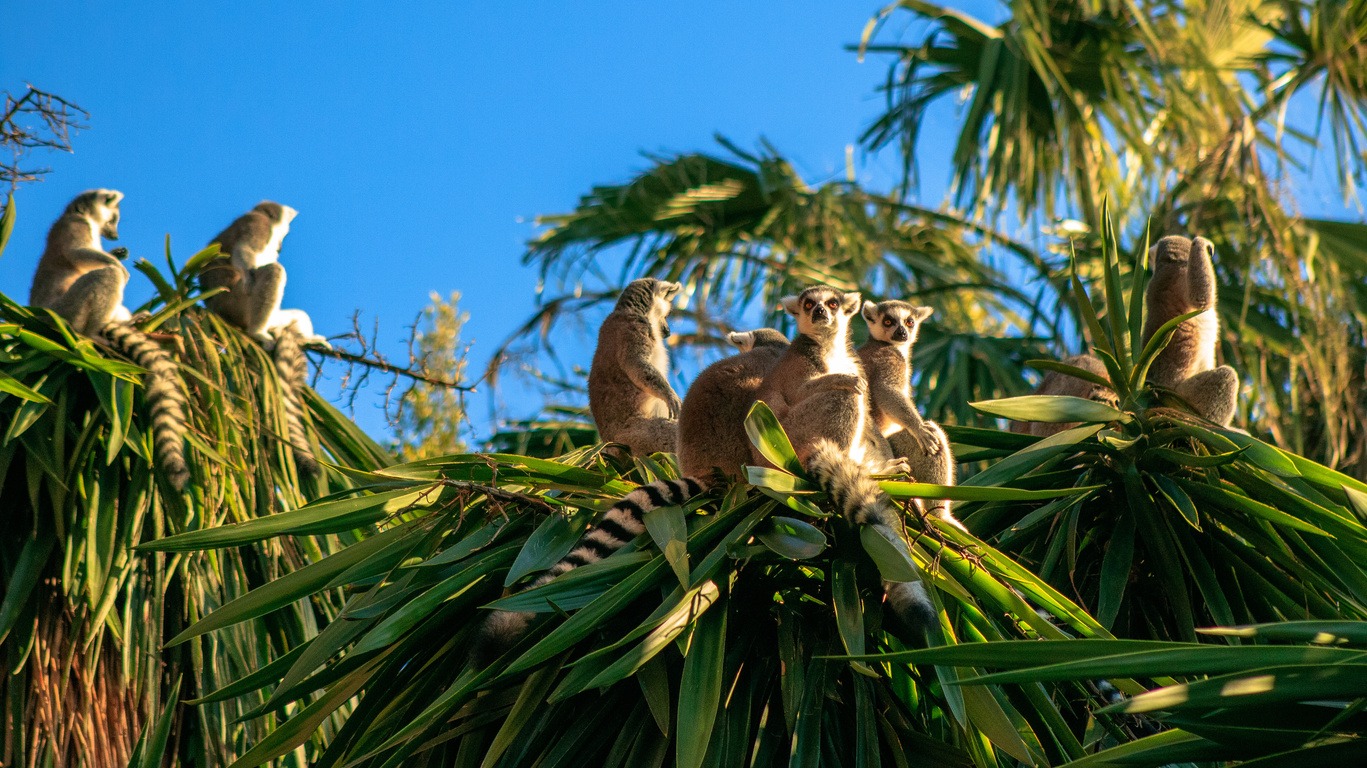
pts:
[665, 292]
[107, 212]
[895, 322]
[822, 310]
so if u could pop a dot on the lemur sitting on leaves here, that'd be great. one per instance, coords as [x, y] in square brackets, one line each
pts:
[712, 445]
[712, 435]
[1183, 281]
[84, 284]
[629, 395]
[893, 329]
[248, 268]
[825, 420]
[824, 408]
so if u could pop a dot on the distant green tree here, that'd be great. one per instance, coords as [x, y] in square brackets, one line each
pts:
[428, 418]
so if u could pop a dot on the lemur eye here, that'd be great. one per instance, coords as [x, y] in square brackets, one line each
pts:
[908, 322]
[887, 322]
[808, 304]
[832, 303]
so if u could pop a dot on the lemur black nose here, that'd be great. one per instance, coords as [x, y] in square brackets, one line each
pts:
[899, 335]
[818, 312]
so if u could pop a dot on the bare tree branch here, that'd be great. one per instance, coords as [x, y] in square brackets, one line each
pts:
[36, 120]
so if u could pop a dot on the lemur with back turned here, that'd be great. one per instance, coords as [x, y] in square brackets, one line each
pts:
[629, 395]
[894, 327]
[84, 284]
[1183, 281]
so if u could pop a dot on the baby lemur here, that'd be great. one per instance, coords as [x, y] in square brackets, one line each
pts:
[629, 396]
[1183, 281]
[84, 284]
[893, 329]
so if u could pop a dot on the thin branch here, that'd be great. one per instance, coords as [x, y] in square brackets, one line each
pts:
[502, 495]
[36, 120]
[388, 367]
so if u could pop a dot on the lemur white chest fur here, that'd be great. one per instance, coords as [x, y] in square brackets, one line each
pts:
[270, 254]
[1208, 323]
[839, 359]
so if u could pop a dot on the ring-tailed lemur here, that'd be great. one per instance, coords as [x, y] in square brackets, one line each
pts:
[823, 400]
[629, 395]
[83, 284]
[1183, 281]
[248, 268]
[893, 329]
[712, 445]
[824, 410]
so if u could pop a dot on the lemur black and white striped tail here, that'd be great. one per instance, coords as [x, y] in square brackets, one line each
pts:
[862, 502]
[622, 523]
[292, 365]
[164, 397]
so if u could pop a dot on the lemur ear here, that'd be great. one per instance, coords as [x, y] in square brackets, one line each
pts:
[789, 304]
[671, 288]
[741, 339]
[113, 198]
[870, 312]
[921, 313]
[851, 302]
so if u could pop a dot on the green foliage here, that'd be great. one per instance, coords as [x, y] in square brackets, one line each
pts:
[1161, 544]
[430, 416]
[1266, 703]
[84, 615]
[1195, 117]
[703, 643]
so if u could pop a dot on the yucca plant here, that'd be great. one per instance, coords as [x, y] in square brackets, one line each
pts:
[704, 643]
[84, 615]
[1291, 697]
[1186, 524]
[746, 628]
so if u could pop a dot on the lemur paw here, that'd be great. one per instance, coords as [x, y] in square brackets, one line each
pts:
[898, 466]
[929, 439]
[675, 405]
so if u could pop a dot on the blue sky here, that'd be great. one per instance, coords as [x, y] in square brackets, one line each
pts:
[417, 140]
